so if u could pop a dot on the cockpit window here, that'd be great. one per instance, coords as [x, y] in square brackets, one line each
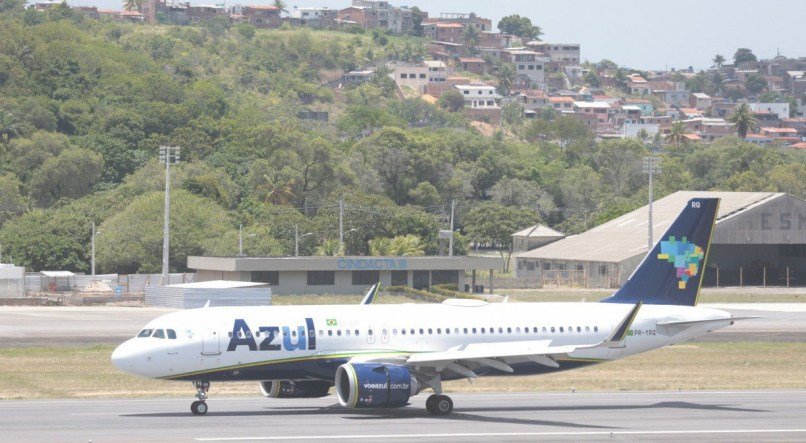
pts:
[171, 334]
[145, 333]
[159, 333]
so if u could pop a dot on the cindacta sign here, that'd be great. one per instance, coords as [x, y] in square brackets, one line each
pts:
[372, 264]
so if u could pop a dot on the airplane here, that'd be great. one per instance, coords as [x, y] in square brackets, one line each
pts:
[380, 355]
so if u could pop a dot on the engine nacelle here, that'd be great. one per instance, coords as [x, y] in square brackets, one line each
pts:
[374, 385]
[294, 389]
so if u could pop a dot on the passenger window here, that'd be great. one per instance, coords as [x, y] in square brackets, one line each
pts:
[482, 330]
[500, 330]
[347, 332]
[587, 328]
[321, 332]
[159, 333]
[595, 329]
[330, 333]
[456, 331]
[171, 334]
[145, 333]
[430, 331]
[474, 330]
[369, 332]
[422, 331]
[518, 330]
[439, 331]
[579, 329]
[561, 329]
[447, 331]
[356, 332]
[229, 334]
[293, 333]
[403, 331]
[338, 332]
[509, 330]
[544, 330]
[394, 331]
[552, 329]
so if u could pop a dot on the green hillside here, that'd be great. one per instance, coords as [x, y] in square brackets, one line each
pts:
[85, 105]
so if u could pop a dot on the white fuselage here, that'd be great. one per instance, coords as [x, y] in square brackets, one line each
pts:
[309, 342]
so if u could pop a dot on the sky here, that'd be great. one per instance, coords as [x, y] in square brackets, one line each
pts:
[643, 34]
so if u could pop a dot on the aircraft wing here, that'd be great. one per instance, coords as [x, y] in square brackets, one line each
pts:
[494, 355]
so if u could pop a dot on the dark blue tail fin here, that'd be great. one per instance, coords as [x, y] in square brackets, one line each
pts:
[672, 272]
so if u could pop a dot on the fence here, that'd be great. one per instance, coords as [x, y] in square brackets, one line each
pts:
[12, 281]
[560, 278]
[120, 283]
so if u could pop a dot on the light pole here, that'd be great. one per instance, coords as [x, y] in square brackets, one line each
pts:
[168, 155]
[297, 238]
[341, 224]
[651, 167]
[240, 239]
[93, 250]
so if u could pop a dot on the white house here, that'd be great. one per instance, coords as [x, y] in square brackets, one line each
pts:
[479, 96]
[782, 109]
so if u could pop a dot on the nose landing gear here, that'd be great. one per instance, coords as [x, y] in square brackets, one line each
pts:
[199, 407]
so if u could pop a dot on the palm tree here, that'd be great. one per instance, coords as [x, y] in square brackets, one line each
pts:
[402, 245]
[471, 37]
[278, 194]
[743, 119]
[719, 60]
[329, 248]
[379, 246]
[9, 127]
[131, 5]
[506, 78]
[677, 135]
[281, 5]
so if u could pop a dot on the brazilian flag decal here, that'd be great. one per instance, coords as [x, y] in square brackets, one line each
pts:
[332, 322]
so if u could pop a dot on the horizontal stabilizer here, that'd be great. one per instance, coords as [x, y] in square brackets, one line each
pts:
[370, 296]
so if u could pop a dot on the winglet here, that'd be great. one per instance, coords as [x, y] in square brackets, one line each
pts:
[369, 298]
[207, 305]
[620, 332]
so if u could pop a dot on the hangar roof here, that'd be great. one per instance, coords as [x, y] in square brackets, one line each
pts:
[626, 236]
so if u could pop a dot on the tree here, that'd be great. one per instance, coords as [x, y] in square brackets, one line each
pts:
[743, 120]
[131, 240]
[12, 203]
[506, 78]
[276, 191]
[10, 127]
[330, 248]
[519, 26]
[472, 38]
[743, 55]
[132, 5]
[494, 223]
[592, 78]
[451, 100]
[281, 5]
[417, 16]
[402, 245]
[755, 83]
[512, 113]
[71, 174]
[719, 60]
[677, 134]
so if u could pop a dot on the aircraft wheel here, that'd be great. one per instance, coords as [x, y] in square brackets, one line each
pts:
[429, 403]
[439, 405]
[198, 408]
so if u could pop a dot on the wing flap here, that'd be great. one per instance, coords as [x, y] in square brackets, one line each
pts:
[480, 351]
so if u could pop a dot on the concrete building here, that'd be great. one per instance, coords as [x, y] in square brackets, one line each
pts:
[315, 17]
[479, 96]
[534, 237]
[529, 65]
[344, 275]
[759, 239]
[559, 54]
[780, 109]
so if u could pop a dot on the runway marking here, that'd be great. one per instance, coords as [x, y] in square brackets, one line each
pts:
[506, 434]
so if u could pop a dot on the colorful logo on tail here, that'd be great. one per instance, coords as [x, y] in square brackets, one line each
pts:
[685, 256]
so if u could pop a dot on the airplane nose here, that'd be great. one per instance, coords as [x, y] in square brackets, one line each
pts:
[124, 357]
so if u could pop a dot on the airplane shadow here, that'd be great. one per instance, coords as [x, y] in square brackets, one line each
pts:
[473, 414]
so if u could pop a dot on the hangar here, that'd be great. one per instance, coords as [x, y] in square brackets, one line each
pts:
[345, 275]
[759, 240]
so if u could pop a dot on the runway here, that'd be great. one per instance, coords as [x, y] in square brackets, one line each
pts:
[624, 416]
[76, 326]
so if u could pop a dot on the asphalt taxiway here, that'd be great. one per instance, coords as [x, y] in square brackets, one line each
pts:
[623, 416]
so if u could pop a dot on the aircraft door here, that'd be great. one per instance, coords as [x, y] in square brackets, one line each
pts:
[211, 341]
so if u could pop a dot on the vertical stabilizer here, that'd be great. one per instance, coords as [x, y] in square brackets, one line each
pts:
[671, 274]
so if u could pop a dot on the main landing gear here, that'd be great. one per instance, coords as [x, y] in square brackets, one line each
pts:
[439, 404]
[199, 407]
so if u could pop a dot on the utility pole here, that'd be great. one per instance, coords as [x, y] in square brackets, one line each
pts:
[450, 242]
[93, 250]
[341, 225]
[651, 167]
[168, 154]
[240, 239]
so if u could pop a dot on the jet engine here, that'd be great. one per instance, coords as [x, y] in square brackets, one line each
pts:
[374, 385]
[294, 389]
